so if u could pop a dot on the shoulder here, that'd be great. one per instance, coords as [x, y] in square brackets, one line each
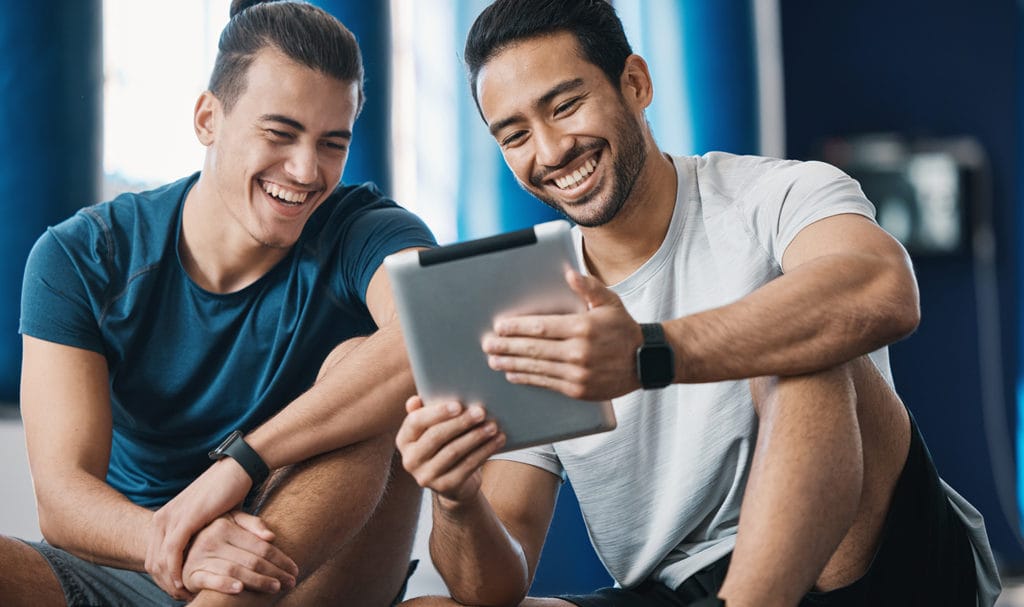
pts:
[359, 206]
[734, 175]
[129, 216]
[122, 234]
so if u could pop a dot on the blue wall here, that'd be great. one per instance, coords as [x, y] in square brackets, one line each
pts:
[934, 68]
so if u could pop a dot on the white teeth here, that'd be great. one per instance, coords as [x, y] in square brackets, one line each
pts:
[284, 194]
[571, 181]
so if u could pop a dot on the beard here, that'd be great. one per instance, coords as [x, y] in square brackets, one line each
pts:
[626, 167]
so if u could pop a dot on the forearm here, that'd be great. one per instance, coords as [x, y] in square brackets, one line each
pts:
[481, 563]
[825, 312]
[359, 398]
[85, 516]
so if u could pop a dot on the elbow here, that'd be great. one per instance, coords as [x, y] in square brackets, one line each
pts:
[903, 314]
[49, 526]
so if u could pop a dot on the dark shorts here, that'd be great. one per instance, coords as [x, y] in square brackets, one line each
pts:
[925, 557]
[87, 584]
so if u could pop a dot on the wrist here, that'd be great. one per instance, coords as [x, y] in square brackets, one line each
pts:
[655, 358]
[455, 508]
[245, 458]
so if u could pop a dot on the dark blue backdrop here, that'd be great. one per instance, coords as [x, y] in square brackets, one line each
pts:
[933, 68]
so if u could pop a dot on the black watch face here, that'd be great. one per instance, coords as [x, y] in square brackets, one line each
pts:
[656, 366]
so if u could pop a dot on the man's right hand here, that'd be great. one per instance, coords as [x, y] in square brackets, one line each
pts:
[235, 552]
[444, 446]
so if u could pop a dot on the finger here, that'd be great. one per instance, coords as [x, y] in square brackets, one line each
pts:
[591, 290]
[456, 450]
[257, 554]
[557, 370]
[252, 524]
[459, 475]
[440, 434]
[172, 554]
[206, 580]
[568, 388]
[224, 575]
[414, 403]
[419, 421]
[549, 326]
[537, 349]
[253, 572]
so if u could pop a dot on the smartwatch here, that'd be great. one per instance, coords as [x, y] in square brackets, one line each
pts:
[655, 361]
[235, 447]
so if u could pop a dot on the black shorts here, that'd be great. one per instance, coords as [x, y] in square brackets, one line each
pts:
[925, 557]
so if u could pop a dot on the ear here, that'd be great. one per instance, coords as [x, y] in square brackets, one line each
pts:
[635, 83]
[205, 116]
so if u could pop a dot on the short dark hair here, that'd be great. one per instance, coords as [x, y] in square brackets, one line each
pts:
[305, 34]
[594, 23]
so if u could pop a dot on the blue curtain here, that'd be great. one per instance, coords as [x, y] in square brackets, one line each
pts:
[50, 159]
[370, 157]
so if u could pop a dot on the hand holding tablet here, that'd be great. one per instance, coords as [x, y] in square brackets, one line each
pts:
[447, 300]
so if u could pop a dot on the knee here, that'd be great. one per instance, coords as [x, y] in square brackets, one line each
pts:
[338, 354]
[831, 385]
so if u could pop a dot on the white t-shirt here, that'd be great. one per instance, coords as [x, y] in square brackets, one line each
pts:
[661, 493]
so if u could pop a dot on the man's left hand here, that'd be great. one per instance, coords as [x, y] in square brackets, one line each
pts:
[221, 488]
[590, 355]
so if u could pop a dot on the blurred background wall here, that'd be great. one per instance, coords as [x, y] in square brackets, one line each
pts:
[920, 99]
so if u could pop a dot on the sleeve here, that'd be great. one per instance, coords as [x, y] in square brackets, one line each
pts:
[55, 304]
[782, 202]
[374, 232]
[544, 457]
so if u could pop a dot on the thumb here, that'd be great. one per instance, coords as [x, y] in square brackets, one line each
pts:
[590, 290]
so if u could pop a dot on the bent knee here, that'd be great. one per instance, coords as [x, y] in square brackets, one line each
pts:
[834, 384]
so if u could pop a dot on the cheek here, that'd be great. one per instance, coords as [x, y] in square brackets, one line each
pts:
[518, 161]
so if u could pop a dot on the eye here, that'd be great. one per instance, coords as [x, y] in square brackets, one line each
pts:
[335, 146]
[513, 138]
[567, 106]
[279, 135]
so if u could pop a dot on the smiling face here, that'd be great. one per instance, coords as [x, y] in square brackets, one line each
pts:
[572, 138]
[275, 156]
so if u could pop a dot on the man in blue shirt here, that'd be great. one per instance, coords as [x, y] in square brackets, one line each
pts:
[203, 320]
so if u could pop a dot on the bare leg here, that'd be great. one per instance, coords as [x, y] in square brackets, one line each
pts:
[830, 448]
[26, 579]
[345, 517]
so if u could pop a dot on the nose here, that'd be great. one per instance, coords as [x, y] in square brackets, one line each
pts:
[303, 165]
[551, 145]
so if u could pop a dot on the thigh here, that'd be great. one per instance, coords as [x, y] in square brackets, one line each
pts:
[379, 552]
[924, 556]
[85, 584]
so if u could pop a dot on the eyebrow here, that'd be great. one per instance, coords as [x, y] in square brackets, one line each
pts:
[541, 101]
[298, 126]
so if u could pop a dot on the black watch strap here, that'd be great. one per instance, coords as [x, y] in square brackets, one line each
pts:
[235, 447]
[655, 361]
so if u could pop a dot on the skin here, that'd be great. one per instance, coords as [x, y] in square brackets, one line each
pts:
[830, 429]
[290, 131]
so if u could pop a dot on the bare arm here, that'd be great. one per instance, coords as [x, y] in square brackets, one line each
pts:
[65, 405]
[355, 400]
[489, 525]
[848, 289]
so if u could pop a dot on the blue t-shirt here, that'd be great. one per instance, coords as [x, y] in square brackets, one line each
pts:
[188, 366]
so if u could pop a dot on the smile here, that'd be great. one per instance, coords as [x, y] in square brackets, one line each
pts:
[283, 194]
[576, 177]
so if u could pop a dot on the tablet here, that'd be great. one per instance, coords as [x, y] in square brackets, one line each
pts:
[447, 299]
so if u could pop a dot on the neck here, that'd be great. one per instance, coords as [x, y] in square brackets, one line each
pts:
[216, 251]
[616, 249]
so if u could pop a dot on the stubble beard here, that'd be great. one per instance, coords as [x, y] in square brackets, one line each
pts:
[626, 167]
